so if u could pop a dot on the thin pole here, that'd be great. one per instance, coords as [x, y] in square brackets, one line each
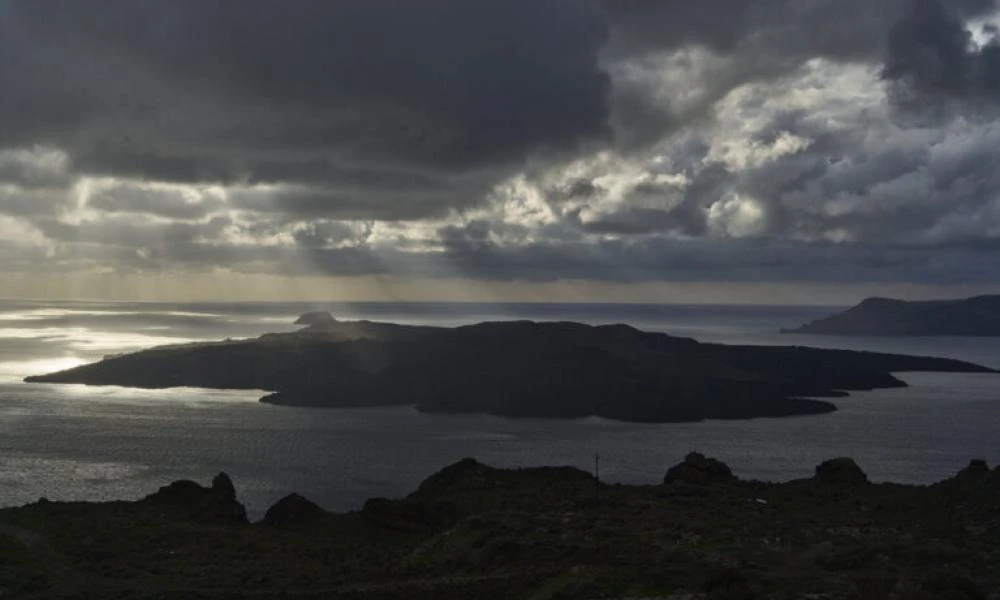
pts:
[597, 479]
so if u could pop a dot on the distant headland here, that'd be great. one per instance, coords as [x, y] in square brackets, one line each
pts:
[978, 316]
[514, 369]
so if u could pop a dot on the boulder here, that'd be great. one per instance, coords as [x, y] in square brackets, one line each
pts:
[840, 471]
[699, 470]
[293, 508]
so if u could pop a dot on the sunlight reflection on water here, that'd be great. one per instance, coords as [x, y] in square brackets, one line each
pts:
[17, 370]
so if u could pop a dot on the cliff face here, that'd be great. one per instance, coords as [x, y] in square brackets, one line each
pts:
[979, 316]
[518, 369]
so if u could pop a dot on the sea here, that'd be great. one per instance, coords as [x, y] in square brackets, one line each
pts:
[81, 443]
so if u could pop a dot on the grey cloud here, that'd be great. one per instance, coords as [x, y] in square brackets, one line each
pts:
[35, 168]
[931, 53]
[756, 41]
[661, 259]
[634, 221]
[166, 203]
[360, 202]
[836, 29]
[32, 203]
[324, 234]
[576, 189]
[131, 232]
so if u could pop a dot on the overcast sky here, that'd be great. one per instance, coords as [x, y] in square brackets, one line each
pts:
[629, 150]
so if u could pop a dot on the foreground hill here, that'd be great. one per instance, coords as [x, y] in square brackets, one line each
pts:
[473, 531]
[979, 316]
[518, 369]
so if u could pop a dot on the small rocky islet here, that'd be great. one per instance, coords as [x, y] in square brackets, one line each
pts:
[515, 369]
[474, 531]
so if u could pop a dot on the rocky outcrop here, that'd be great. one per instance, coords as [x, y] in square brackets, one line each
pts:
[977, 469]
[840, 471]
[699, 470]
[470, 474]
[216, 503]
[975, 475]
[293, 509]
[320, 317]
[978, 316]
[465, 474]
[222, 486]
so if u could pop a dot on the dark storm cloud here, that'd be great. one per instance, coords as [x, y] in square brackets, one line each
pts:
[331, 125]
[435, 83]
[837, 29]
[673, 260]
[932, 52]
[257, 91]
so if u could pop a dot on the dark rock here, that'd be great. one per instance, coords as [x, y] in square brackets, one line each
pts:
[976, 469]
[182, 491]
[293, 508]
[319, 317]
[698, 469]
[191, 500]
[975, 486]
[840, 471]
[222, 485]
[467, 473]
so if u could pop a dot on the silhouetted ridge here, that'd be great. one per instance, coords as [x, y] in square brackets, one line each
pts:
[515, 369]
[978, 316]
[476, 531]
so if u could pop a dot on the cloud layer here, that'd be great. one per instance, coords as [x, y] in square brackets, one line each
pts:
[535, 140]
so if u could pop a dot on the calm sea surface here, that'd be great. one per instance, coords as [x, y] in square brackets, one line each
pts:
[70, 442]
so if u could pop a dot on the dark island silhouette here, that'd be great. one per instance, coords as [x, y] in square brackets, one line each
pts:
[978, 316]
[514, 369]
[476, 531]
